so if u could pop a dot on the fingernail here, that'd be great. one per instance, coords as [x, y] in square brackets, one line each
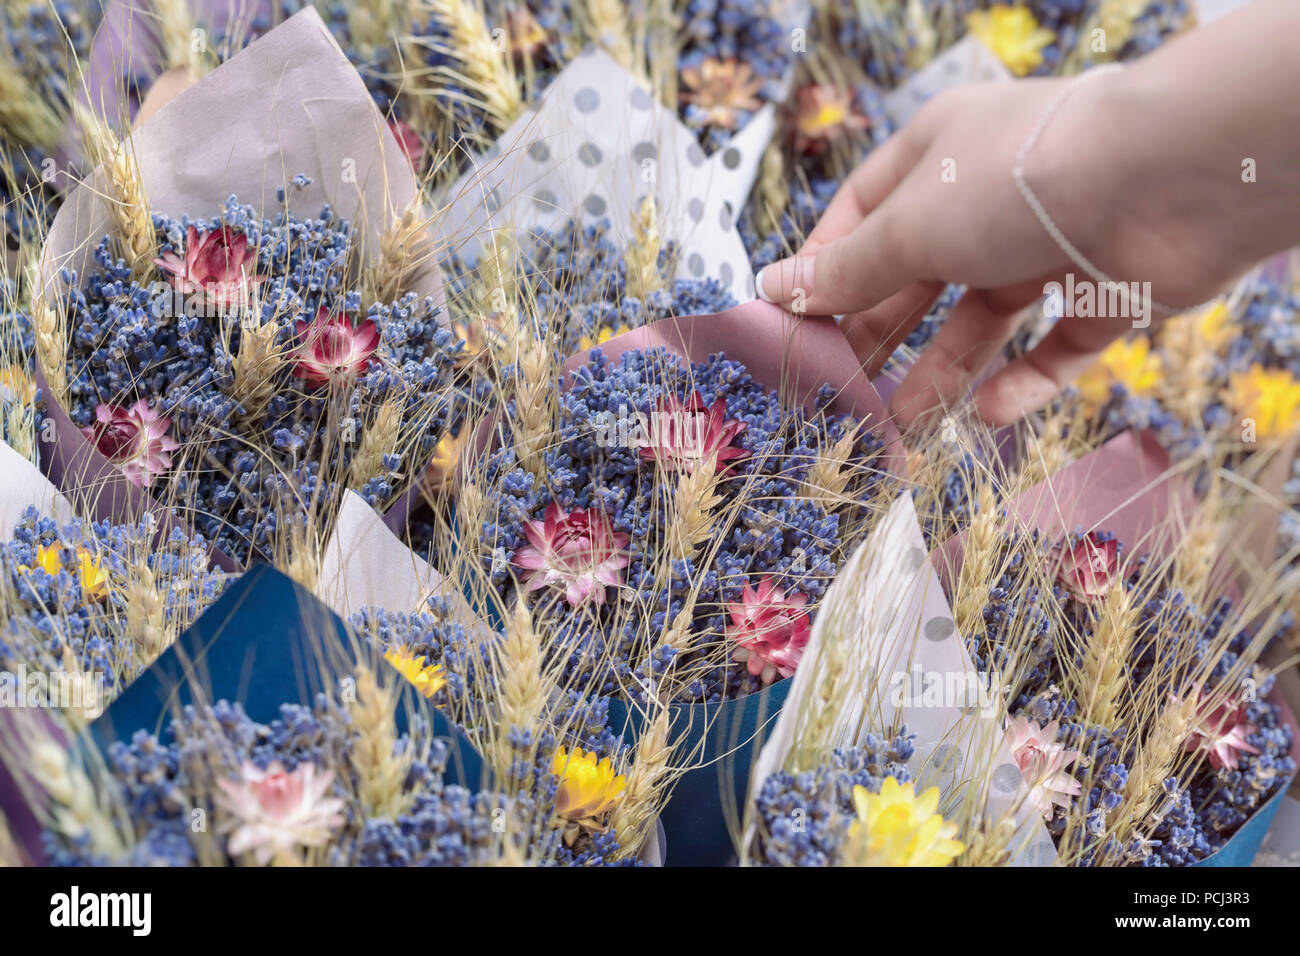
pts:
[758, 285]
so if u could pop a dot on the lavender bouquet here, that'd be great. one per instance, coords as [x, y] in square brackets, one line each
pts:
[1139, 713]
[229, 773]
[268, 357]
[675, 526]
[244, 381]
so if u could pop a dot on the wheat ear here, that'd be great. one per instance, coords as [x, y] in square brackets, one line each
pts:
[830, 474]
[128, 207]
[608, 26]
[381, 767]
[773, 194]
[525, 689]
[24, 113]
[146, 612]
[176, 33]
[75, 808]
[255, 365]
[51, 329]
[1200, 546]
[485, 70]
[646, 779]
[379, 439]
[1153, 763]
[692, 513]
[1106, 656]
[643, 275]
[404, 249]
[978, 564]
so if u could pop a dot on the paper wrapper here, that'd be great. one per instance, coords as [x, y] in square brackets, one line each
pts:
[127, 44]
[905, 652]
[966, 61]
[365, 564]
[593, 147]
[288, 103]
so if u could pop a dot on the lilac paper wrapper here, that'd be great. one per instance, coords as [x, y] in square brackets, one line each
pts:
[127, 44]
[288, 103]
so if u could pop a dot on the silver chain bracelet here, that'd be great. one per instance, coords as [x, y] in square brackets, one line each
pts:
[1053, 230]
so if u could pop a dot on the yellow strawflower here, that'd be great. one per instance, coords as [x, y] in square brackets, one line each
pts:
[897, 828]
[588, 791]
[427, 678]
[1013, 35]
[1131, 363]
[17, 386]
[89, 574]
[1271, 397]
[586, 343]
[446, 456]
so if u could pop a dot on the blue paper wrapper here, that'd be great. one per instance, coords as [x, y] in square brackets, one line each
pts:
[261, 645]
[720, 742]
[1241, 848]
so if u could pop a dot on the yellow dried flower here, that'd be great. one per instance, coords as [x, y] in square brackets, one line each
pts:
[89, 574]
[588, 791]
[1131, 363]
[427, 678]
[1271, 397]
[1013, 35]
[897, 828]
[588, 342]
[17, 386]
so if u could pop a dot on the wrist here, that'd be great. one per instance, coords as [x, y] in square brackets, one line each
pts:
[1138, 189]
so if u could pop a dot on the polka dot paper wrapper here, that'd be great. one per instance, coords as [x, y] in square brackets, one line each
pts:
[966, 61]
[593, 146]
[905, 640]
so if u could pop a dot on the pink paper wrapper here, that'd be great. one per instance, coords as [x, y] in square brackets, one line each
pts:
[1124, 487]
[288, 103]
[796, 357]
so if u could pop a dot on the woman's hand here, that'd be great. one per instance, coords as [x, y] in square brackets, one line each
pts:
[1141, 169]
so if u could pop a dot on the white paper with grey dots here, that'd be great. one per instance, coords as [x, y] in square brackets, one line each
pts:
[966, 61]
[592, 147]
[904, 661]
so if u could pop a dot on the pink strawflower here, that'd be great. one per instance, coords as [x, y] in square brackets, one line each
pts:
[1221, 730]
[683, 435]
[333, 349]
[579, 551]
[133, 438]
[1042, 762]
[220, 265]
[273, 810]
[409, 141]
[1088, 568]
[770, 629]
